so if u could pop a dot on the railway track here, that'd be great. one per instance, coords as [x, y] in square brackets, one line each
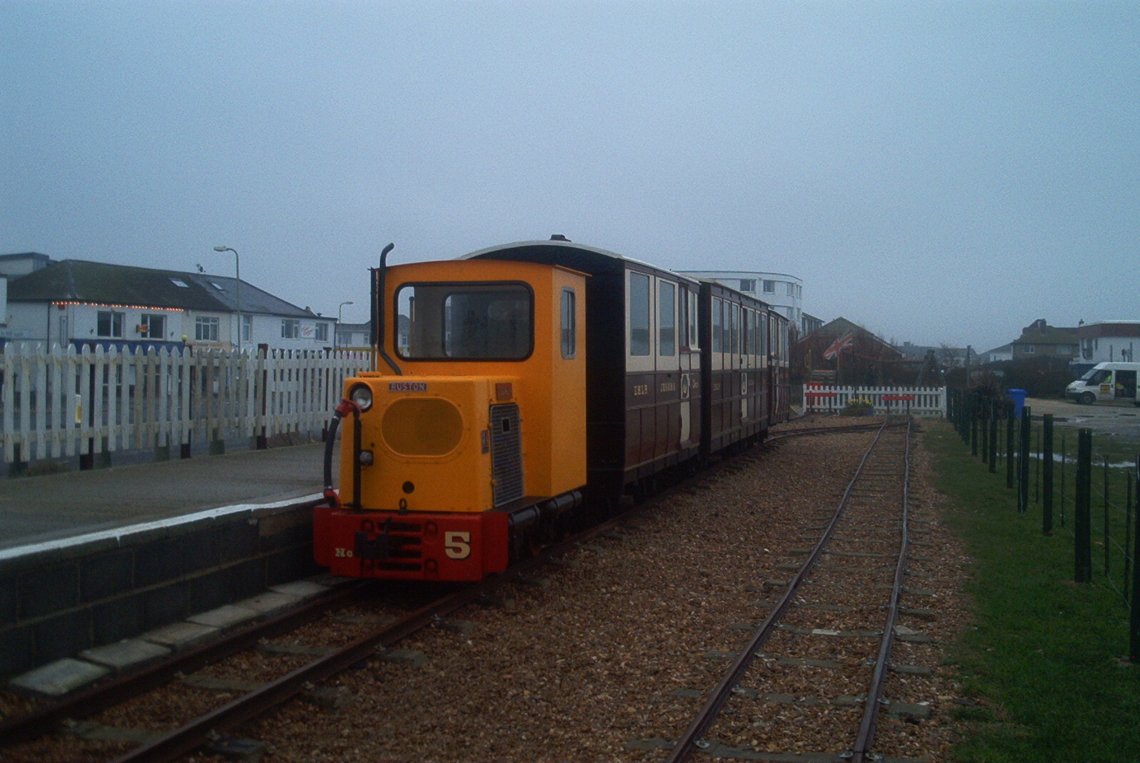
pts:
[97, 714]
[124, 719]
[823, 657]
[126, 716]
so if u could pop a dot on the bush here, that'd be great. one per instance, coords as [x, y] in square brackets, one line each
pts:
[1039, 377]
[857, 407]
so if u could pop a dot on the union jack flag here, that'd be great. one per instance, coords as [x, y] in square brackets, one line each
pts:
[839, 345]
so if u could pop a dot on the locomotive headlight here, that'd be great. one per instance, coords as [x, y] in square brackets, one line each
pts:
[361, 394]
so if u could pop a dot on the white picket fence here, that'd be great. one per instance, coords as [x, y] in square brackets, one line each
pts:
[63, 402]
[919, 401]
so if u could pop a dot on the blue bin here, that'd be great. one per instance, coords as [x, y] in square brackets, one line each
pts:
[1018, 398]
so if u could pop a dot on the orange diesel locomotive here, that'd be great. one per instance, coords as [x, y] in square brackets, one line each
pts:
[523, 387]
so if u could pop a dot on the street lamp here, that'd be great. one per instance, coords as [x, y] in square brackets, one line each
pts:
[237, 291]
[339, 318]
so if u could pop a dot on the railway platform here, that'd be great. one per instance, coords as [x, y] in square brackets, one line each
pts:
[90, 558]
[62, 506]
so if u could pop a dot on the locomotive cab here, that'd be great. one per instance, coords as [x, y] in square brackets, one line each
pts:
[465, 450]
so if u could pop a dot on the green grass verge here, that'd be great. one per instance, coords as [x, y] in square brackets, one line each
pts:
[1046, 659]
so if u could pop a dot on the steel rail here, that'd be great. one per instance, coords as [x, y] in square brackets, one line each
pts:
[193, 734]
[691, 738]
[861, 751]
[97, 698]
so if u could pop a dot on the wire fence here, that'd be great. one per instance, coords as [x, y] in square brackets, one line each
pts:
[1085, 487]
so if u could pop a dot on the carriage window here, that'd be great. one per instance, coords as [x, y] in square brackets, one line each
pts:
[569, 334]
[733, 329]
[638, 314]
[694, 325]
[717, 338]
[667, 318]
[465, 321]
[745, 331]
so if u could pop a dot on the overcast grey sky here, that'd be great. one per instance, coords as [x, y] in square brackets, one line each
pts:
[937, 172]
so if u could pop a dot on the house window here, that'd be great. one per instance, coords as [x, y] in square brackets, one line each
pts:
[748, 284]
[322, 333]
[206, 329]
[246, 327]
[109, 324]
[769, 287]
[1031, 348]
[152, 326]
[290, 328]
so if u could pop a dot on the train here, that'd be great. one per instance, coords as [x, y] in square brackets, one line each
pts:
[525, 389]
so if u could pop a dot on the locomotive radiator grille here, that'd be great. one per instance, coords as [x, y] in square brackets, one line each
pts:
[506, 454]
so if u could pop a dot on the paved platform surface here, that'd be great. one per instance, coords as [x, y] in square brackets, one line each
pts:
[49, 507]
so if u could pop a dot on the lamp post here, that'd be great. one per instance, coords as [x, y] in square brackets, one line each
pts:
[339, 318]
[237, 290]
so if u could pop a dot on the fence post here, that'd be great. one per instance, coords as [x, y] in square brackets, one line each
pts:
[1134, 639]
[1023, 470]
[261, 384]
[975, 407]
[87, 459]
[1128, 533]
[1107, 544]
[1009, 443]
[1082, 522]
[1047, 475]
[993, 436]
[986, 411]
[1060, 503]
[960, 414]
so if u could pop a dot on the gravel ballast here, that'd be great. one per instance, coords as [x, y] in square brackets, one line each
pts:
[609, 654]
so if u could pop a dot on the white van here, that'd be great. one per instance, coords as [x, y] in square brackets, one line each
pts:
[1104, 382]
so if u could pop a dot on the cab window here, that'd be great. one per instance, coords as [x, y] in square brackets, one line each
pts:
[465, 321]
[1099, 376]
[568, 332]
